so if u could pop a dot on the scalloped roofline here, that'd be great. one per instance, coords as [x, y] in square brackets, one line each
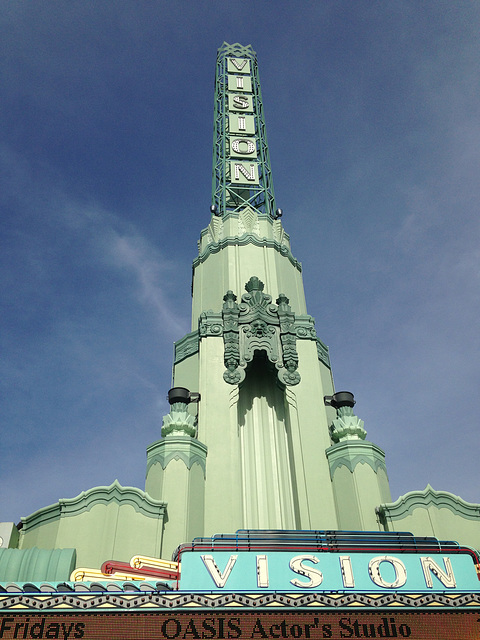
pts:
[67, 507]
[406, 504]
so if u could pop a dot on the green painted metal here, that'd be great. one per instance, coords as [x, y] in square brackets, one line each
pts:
[34, 564]
[229, 140]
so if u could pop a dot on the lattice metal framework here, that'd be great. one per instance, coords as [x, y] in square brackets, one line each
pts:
[229, 195]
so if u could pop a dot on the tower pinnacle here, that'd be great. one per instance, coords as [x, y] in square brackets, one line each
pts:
[242, 176]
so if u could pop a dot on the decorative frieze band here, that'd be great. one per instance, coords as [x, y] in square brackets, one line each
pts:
[187, 449]
[151, 596]
[236, 241]
[351, 453]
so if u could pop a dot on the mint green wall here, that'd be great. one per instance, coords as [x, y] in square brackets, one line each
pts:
[176, 476]
[185, 374]
[102, 524]
[268, 485]
[218, 430]
[357, 495]
[358, 472]
[309, 422]
[231, 250]
[8, 535]
[328, 388]
[436, 513]
[263, 250]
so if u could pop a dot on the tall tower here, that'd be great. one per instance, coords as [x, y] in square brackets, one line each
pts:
[254, 456]
[256, 436]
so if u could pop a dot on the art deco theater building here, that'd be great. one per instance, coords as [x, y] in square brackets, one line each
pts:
[266, 510]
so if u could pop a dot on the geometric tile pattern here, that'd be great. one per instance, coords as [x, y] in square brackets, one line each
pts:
[141, 598]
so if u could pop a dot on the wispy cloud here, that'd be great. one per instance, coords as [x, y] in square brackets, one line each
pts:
[152, 274]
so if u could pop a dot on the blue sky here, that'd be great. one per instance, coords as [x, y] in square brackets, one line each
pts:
[373, 121]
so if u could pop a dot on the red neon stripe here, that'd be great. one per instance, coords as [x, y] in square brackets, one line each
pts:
[112, 566]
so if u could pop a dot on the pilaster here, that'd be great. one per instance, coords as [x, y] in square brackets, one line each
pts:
[176, 468]
[357, 469]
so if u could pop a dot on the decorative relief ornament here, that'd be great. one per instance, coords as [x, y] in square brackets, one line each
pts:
[210, 324]
[248, 221]
[232, 375]
[179, 422]
[258, 325]
[347, 426]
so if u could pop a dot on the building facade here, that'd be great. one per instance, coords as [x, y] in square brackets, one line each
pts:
[257, 437]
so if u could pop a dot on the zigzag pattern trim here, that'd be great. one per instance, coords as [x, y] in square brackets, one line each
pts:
[360, 459]
[188, 459]
[151, 600]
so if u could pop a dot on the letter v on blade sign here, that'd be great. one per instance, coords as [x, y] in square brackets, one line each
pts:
[220, 579]
[239, 63]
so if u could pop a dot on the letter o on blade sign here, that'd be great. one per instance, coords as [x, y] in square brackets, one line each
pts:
[245, 147]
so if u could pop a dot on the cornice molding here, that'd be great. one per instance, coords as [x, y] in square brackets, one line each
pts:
[350, 453]
[406, 504]
[241, 241]
[68, 507]
[185, 448]
[186, 346]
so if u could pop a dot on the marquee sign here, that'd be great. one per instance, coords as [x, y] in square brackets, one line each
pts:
[367, 572]
[242, 625]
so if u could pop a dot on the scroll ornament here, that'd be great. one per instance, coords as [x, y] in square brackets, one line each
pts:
[258, 325]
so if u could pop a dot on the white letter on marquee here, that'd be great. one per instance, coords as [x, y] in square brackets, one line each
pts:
[446, 578]
[242, 123]
[219, 578]
[315, 576]
[347, 571]
[262, 572]
[240, 169]
[239, 82]
[400, 572]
